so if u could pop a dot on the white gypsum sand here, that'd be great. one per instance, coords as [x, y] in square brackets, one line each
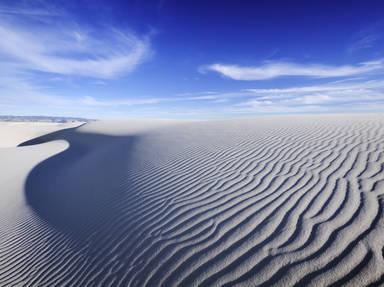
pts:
[14, 133]
[288, 200]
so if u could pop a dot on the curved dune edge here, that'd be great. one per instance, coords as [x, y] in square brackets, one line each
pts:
[288, 201]
[14, 133]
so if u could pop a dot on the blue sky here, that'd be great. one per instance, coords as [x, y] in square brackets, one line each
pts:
[190, 59]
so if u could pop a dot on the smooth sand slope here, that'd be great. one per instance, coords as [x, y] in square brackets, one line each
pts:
[286, 201]
[14, 133]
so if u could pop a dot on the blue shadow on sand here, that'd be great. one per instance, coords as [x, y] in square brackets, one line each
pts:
[72, 190]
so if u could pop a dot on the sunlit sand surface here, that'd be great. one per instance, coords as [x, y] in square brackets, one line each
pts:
[286, 201]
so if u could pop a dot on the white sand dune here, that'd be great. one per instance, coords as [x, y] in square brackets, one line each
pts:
[14, 133]
[285, 201]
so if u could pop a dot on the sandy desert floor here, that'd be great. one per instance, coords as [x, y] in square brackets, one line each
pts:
[285, 201]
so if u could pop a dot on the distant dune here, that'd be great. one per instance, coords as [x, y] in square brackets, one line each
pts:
[36, 119]
[285, 201]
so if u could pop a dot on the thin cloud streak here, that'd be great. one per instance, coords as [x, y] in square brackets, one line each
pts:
[272, 70]
[366, 38]
[363, 96]
[71, 50]
[330, 87]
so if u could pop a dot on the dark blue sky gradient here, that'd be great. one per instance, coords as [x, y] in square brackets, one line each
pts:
[188, 35]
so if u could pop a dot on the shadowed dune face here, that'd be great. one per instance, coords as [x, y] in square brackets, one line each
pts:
[285, 201]
[72, 190]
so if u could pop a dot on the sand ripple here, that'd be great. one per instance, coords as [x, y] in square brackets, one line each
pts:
[294, 201]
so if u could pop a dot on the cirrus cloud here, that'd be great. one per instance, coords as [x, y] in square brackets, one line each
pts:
[272, 70]
[67, 48]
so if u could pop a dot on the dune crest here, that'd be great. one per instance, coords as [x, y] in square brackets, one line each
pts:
[287, 201]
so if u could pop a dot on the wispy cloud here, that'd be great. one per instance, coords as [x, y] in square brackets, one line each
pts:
[91, 101]
[270, 70]
[68, 48]
[44, 49]
[352, 86]
[68, 54]
[363, 96]
[21, 94]
[364, 42]
[32, 8]
[366, 38]
[22, 97]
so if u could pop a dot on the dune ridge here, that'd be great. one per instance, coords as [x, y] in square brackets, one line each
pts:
[284, 201]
